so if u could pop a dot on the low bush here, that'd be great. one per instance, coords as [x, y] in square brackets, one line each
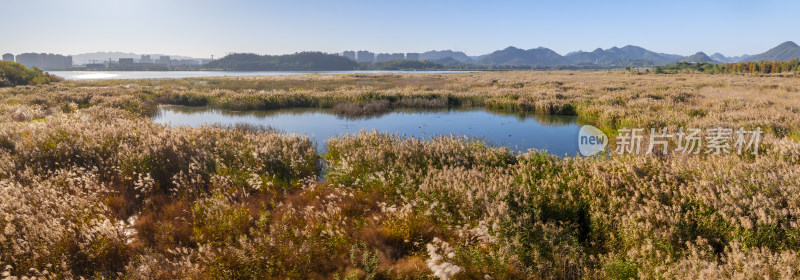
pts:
[15, 74]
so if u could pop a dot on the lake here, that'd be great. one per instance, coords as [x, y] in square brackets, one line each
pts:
[126, 75]
[520, 132]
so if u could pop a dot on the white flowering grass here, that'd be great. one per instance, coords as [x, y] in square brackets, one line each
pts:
[90, 187]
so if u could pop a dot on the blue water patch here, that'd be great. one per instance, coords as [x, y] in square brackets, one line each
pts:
[519, 132]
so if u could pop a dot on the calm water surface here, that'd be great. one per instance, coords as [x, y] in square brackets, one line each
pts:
[520, 132]
[125, 75]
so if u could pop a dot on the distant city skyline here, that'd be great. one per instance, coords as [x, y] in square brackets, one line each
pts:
[205, 28]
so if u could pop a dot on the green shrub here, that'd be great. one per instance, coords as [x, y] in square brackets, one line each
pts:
[15, 74]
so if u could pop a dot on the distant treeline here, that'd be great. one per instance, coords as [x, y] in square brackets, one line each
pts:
[303, 61]
[407, 65]
[15, 74]
[752, 67]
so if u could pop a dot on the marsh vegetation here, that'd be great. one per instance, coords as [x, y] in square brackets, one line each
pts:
[91, 187]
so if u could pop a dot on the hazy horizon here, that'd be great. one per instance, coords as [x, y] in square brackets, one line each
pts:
[204, 28]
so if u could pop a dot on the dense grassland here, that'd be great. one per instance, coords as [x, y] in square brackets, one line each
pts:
[90, 187]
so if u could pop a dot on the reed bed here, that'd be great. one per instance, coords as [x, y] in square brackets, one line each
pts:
[91, 188]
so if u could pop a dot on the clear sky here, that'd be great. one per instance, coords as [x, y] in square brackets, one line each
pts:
[201, 28]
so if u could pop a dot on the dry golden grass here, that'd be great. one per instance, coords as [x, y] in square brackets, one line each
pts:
[90, 187]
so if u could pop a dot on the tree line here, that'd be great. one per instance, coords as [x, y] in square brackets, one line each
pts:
[751, 67]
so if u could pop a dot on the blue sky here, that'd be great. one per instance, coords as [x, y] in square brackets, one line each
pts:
[202, 28]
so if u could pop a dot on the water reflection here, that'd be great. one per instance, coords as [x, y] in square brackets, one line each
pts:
[518, 131]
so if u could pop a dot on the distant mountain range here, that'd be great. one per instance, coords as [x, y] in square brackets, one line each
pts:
[542, 57]
[625, 56]
[721, 58]
[612, 57]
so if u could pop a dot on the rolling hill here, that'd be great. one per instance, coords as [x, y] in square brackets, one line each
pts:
[785, 51]
[698, 57]
[439, 55]
[515, 56]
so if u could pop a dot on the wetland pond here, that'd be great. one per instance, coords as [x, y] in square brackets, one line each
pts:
[517, 131]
